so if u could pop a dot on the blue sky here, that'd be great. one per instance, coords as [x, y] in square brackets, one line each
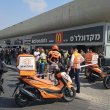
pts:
[15, 11]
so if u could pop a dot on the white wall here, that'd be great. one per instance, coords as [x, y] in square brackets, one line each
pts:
[107, 51]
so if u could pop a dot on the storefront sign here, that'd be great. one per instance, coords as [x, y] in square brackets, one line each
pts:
[27, 41]
[89, 38]
[85, 35]
[43, 39]
[39, 41]
[18, 42]
[59, 37]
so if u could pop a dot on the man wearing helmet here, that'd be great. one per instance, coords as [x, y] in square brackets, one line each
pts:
[54, 57]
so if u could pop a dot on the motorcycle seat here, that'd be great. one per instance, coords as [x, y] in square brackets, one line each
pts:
[46, 81]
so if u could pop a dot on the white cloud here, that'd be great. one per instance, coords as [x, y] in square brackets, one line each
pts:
[36, 5]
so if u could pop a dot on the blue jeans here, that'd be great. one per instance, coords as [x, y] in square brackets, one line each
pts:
[75, 73]
[42, 68]
[37, 66]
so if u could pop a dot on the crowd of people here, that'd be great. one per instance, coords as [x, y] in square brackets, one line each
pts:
[8, 55]
[47, 59]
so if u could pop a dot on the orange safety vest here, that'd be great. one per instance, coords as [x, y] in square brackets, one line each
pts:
[77, 60]
[26, 61]
[89, 58]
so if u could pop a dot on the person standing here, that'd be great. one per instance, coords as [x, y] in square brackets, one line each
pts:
[66, 58]
[7, 57]
[54, 58]
[37, 54]
[82, 53]
[1, 79]
[42, 63]
[76, 60]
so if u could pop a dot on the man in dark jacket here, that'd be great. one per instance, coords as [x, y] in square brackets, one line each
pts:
[1, 79]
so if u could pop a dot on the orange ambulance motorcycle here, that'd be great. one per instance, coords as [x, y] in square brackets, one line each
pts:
[31, 88]
[94, 72]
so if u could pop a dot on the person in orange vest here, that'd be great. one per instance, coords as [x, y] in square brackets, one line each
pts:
[76, 60]
[92, 58]
[54, 55]
[88, 56]
[54, 58]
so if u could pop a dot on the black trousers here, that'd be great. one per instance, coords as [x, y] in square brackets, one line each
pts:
[75, 73]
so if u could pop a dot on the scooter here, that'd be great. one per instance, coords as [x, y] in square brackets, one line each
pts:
[32, 88]
[94, 72]
[106, 80]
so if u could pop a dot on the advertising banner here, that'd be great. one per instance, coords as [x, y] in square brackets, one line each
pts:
[85, 35]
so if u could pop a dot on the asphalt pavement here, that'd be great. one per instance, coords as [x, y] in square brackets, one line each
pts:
[92, 97]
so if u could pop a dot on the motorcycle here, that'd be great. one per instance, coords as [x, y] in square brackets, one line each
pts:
[94, 73]
[32, 88]
[106, 80]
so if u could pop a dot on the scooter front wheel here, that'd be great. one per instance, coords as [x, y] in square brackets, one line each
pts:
[69, 95]
[21, 100]
[106, 82]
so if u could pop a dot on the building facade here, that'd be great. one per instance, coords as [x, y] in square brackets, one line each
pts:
[81, 23]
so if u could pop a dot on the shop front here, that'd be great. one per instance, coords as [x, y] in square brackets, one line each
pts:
[94, 36]
[82, 38]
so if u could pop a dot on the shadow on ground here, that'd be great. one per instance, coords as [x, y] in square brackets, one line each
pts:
[7, 102]
[95, 85]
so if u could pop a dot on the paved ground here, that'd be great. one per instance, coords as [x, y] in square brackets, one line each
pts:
[92, 97]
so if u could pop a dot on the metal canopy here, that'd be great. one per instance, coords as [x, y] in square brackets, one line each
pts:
[75, 13]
